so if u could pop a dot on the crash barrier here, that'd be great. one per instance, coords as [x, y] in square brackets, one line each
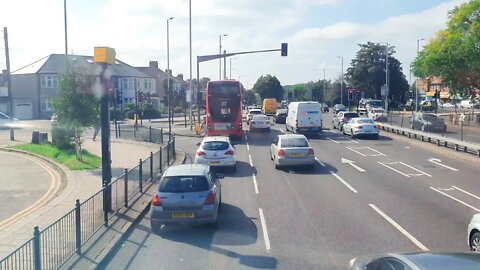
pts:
[51, 247]
[437, 139]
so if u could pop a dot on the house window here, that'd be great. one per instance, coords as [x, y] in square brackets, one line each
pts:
[49, 81]
[145, 83]
[46, 104]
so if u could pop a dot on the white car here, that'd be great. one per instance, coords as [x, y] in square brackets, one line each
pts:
[251, 113]
[5, 121]
[216, 151]
[378, 114]
[260, 121]
[361, 126]
[448, 105]
[474, 233]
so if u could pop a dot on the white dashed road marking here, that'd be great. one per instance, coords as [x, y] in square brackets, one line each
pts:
[344, 182]
[264, 229]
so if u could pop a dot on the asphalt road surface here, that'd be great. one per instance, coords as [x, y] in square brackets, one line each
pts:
[394, 198]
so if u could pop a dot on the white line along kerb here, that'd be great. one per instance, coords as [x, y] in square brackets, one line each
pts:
[399, 228]
[264, 229]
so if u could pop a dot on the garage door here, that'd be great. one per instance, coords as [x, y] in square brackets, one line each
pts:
[23, 111]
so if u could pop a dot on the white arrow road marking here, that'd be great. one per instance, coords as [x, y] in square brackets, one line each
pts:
[439, 163]
[352, 163]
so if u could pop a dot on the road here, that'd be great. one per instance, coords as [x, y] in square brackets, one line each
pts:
[393, 200]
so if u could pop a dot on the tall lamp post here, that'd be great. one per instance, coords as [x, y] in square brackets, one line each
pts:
[416, 79]
[324, 70]
[220, 52]
[190, 85]
[341, 83]
[168, 80]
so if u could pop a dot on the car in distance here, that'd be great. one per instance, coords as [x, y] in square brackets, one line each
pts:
[418, 261]
[216, 151]
[304, 117]
[378, 114]
[341, 118]
[292, 150]
[281, 116]
[427, 122]
[466, 104]
[338, 108]
[361, 126]
[474, 233]
[188, 193]
[269, 106]
[260, 121]
[5, 121]
[251, 113]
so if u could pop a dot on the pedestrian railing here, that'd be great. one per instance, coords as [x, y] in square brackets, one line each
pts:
[142, 133]
[51, 247]
[455, 144]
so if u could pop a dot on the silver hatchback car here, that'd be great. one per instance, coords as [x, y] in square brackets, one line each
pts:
[292, 150]
[187, 193]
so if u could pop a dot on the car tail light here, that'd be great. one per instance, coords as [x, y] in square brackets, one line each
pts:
[377, 126]
[311, 152]
[359, 127]
[229, 153]
[281, 152]
[344, 120]
[156, 200]
[200, 153]
[210, 198]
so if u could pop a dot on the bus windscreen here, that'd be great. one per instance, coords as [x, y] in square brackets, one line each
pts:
[224, 101]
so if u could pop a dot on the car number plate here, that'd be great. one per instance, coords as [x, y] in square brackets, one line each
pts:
[183, 215]
[214, 162]
[297, 155]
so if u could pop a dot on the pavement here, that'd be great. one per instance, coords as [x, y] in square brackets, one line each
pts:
[398, 196]
[74, 185]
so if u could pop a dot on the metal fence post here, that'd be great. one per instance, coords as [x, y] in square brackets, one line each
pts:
[37, 264]
[173, 147]
[140, 172]
[161, 135]
[150, 134]
[134, 132]
[161, 161]
[119, 134]
[78, 227]
[151, 166]
[168, 153]
[125, 188]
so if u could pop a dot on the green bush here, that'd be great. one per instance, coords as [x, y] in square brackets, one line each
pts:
[62, 138]
[178, 110]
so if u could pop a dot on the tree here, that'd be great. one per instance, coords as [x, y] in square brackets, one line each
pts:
[367, 71]
[454, 54]
[76, 106]
[249, 97]
[269, 86]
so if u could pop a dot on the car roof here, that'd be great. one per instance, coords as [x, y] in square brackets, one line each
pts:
[187, 169]
[291, 136]
[441, 261]
[216, 139]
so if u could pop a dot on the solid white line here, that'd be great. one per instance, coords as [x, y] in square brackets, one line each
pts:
[319, 162]
[455, 199]
[255, 183]
[344, 182]
[356, 152]
[264, 229]
[281, 130]
[393, 169]
[356, 167]
[443, 165]
[332, 140]
[250, 158]
[466, 192]
[413, 168]
[399, 228]
[373, 150]
[248, 147]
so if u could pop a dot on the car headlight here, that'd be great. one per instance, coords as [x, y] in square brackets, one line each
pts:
[428, 123]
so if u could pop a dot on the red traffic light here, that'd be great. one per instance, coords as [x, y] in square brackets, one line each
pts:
[350, 91]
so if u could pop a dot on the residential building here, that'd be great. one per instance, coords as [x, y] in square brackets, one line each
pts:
[430, 85]
[35, 87]
[3, 92]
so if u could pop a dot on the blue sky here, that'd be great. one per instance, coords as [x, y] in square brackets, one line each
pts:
[318, 31]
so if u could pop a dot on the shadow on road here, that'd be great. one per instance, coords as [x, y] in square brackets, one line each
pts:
[262, 138]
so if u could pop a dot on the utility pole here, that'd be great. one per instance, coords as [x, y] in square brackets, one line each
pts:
[190, 85]
[220, 52]
[324, 85]
[224, 65]
[9, 85]
[170, 118]
[416, 79]
[386, 77]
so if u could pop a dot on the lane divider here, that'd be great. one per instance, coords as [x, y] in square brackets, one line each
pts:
[250, 159]
[344, 182]
[399, 228]
[264, 229]
[255, 185]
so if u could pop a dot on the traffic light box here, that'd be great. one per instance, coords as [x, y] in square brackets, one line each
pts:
[350, 95]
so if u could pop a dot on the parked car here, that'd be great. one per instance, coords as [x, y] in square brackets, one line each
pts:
[341, 118]
[54, 119]
[5, 121]
[304, 117]
[216, 151]
[292, 150]
[427, 122]
[281, 116]
[260, 121]
[474, 233]
[361, 126]
[418, 261]
[188, 193]
[339, 107]
[251, 113]
[378, 114]
[325, 108]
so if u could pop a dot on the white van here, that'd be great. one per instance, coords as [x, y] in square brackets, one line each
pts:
[304, 117]
[466, 104]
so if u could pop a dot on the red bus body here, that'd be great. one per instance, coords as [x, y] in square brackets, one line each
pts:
[224, 108]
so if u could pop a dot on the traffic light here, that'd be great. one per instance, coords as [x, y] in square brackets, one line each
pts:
[410, 94]
[350, 95]
[284, 49]
[118, 95]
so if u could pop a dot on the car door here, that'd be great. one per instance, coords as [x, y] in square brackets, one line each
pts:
[348, 125]
[274, 147]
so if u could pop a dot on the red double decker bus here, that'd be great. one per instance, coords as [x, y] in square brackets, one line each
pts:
[224, 108]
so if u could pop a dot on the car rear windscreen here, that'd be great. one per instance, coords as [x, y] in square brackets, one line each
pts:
[294, 142]
[181, 184]
[213, 146]
[255, 112]
[350, 115]
[364, 121]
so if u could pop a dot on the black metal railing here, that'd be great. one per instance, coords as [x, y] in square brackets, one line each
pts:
[51, 247]
[143, 133]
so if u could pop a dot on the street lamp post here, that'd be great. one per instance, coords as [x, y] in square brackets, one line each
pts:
[190, 85]
[416, 79]
[386, 78]
[341, 83]
[65, 25]
[168, 80]
[324, 69]
[220, 52]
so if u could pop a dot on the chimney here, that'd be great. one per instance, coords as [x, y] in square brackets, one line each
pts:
[169, 71]
[180, 77]
[153, 64]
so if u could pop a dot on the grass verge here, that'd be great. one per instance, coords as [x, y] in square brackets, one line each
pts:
[66, 157]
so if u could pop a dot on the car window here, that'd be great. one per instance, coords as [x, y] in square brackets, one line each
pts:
[256, 112]
[275, 141]
[294, 142]
[180, 184]
[260, 117]
[214, 146]
[351, 115]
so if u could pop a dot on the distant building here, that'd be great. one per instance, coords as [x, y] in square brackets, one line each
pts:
[3, 92]
[35, 87]
[431, 85]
